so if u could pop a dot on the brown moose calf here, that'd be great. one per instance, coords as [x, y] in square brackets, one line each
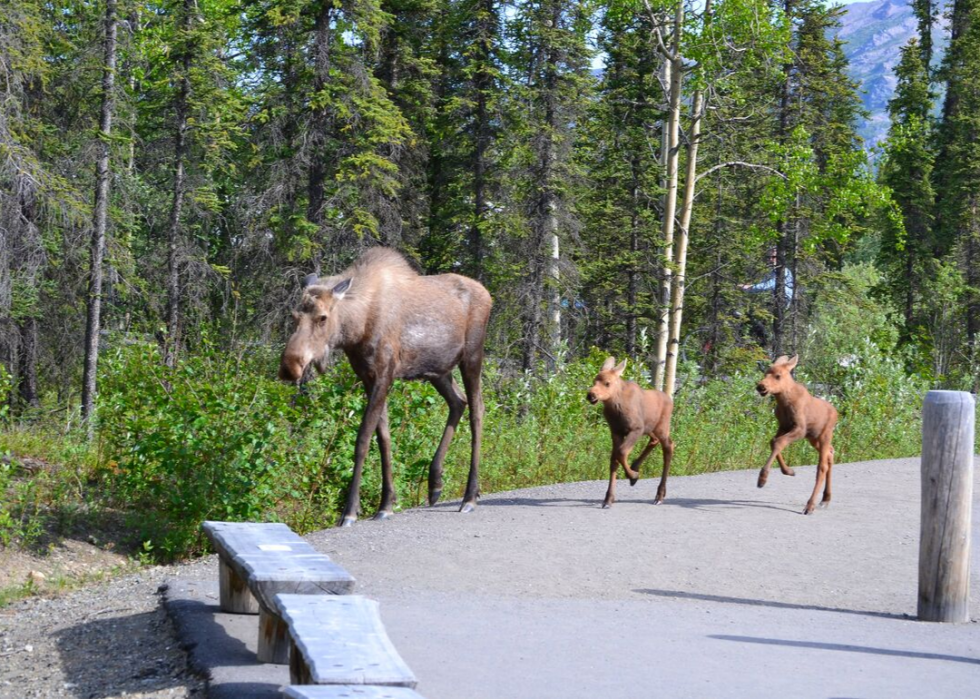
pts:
[631, 413]
[799, 415]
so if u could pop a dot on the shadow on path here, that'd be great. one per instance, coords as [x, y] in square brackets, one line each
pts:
[677, 594]
[848, 648]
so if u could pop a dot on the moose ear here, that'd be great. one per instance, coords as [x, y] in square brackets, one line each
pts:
[781, 360]
[608, 364]
[340, 289]
[792, 361]
[309, 280]
[620, 368]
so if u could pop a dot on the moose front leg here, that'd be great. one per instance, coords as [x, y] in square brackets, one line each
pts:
[377, 396]
[638, 461]
[386, 508]
[619, 457]
[779, 442]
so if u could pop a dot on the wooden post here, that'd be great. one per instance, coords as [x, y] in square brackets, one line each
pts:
[234, 595]
[947, 494]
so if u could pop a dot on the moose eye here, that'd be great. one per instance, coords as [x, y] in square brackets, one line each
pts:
[606, 383]
[322, 318]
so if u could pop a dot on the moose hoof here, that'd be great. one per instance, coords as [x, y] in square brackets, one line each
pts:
[466, 507]
[634, 480]
[347, 522]
[434, 496]
[789, 472]
[762, 482]
[383, 515]
[659, 500]
[606, 504]
[808, 509]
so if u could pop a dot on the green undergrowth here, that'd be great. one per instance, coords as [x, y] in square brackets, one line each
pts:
[218, 437]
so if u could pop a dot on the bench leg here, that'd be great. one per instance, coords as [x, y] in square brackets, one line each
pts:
[299, 673]
[273, 644]
[235, 597]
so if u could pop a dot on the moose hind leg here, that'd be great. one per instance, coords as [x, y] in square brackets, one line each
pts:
[668, 447]
[448, 389]
[823, 475]
[471, 370]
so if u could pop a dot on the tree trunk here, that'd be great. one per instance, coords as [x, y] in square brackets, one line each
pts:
[93, 322]
[321, 118]
[27, 361]
[632, 275]
[671, 150]
[182, 109]
[683, 234]
[482, 83]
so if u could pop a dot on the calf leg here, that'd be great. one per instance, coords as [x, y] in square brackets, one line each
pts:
[641, 458]
[778, 443]
[823, 475]
[787, 471]
[447, 388]
[611, 490]
[620, 455]
[668, 446]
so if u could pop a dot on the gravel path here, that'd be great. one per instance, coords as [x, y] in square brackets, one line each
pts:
[514, 593]
[108, 640]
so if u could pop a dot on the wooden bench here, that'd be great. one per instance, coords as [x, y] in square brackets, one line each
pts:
[340, 641]
[258, 561]
[325, 691]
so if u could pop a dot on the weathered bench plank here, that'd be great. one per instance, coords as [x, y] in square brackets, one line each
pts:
[340, 641]
[260, 560]
[325, 691]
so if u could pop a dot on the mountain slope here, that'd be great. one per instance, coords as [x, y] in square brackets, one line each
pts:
[873, 33]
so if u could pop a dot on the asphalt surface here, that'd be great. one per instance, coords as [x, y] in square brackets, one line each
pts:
[725, 590]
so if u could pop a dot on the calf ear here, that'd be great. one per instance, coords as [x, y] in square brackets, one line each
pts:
[341, 288]
[608, 364]
[620, 368]
[792, 361]
[781, 360]
[308, 280]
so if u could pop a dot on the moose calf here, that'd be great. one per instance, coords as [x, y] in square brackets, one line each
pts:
[799, 415]
[631, 413]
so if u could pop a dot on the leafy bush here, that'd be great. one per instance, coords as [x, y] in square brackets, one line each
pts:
[218, 437]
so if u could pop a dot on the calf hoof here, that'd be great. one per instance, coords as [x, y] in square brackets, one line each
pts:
[789, 472]
[808, 509]
[347, 522]
[467, 507]
[607, 503]
[634, 480]
[762, 481]
[383, 515]
[434, 496]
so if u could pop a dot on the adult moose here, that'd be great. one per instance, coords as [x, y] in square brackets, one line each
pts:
[393, 323]
[799, 415]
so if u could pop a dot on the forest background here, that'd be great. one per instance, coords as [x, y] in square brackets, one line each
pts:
[678, 183]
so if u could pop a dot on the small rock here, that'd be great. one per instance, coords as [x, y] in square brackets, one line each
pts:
[36, 577]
